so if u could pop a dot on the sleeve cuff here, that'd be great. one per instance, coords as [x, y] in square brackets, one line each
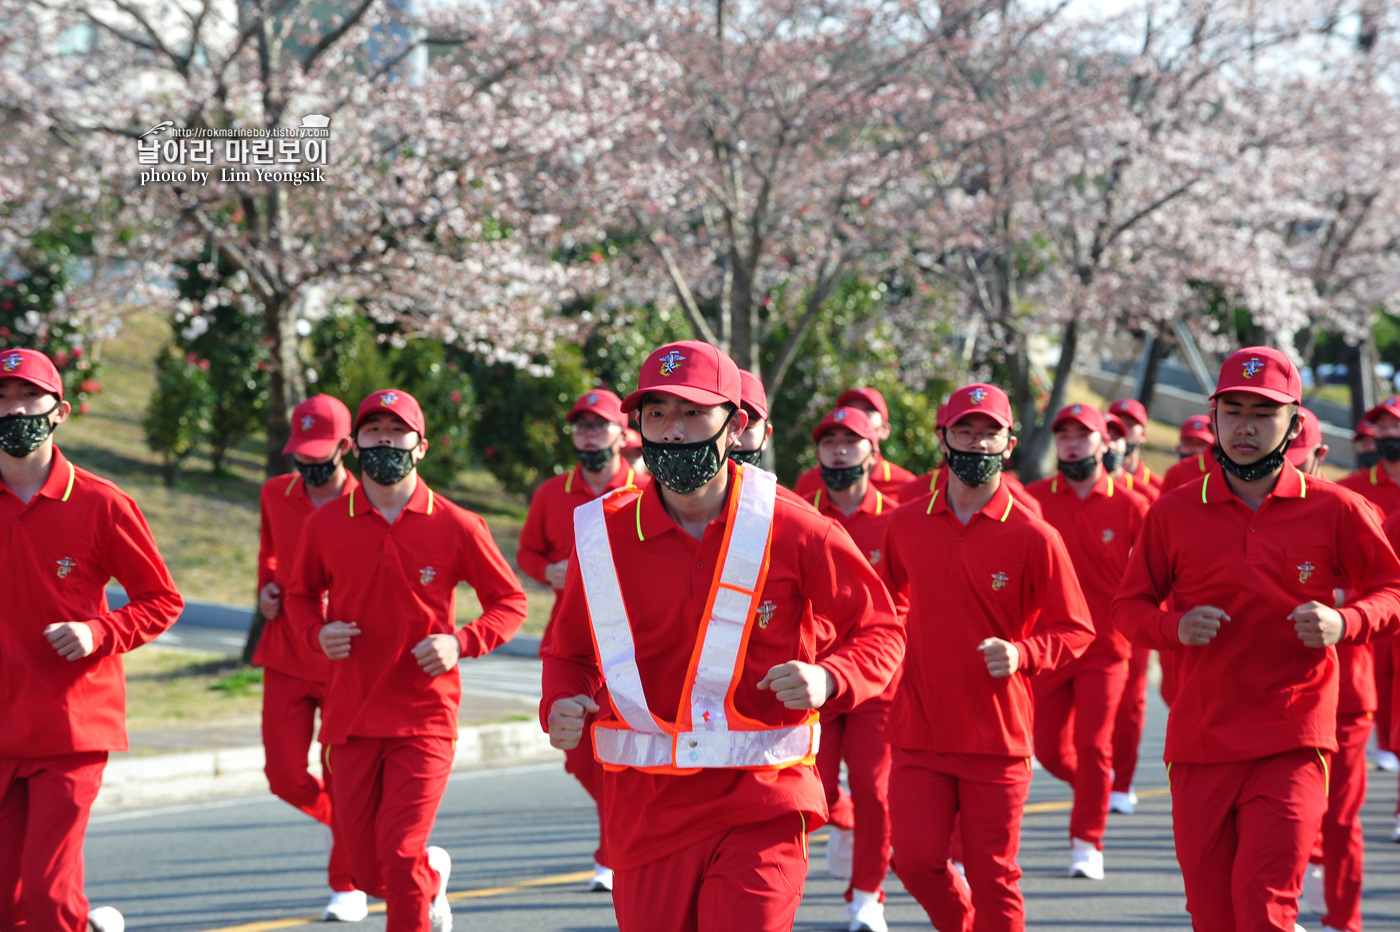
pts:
[101, 637]
[1169, 628]
[1353, 625]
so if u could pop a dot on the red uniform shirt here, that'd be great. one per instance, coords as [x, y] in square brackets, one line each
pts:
[285, 506]
[1374, 485]
[665, 574]
[399, 584]
[924, 486]
[885, 476]
[59, 551]
[548, 534]
[1098, 532]
[1144, 490]
[1256, 690]
[1144, 476]
[1187, 470]
[1005, 574]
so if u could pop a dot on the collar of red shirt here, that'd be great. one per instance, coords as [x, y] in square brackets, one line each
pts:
[654, 519]
[1060, 486]
[1143, 474]
[59, 485]
[1291, 484]
[420, 501]
[998, 509]
[1379, 476]
[873, 503]
[623, 477]
[297, 486]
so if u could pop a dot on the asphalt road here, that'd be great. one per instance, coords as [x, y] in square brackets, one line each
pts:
[522, 841]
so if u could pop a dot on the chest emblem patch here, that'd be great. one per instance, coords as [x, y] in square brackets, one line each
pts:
[999, 580]
[65, 566]
[425, 575]
[876, 556]
[1305, 571]
[1108, 535]
[765, 612]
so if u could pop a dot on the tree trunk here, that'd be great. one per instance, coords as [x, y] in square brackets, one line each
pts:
[1149, 371]
[743, 329]
[1360, 360]
[286, 385]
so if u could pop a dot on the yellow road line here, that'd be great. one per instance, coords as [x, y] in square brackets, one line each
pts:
[292, 922]
[1064, 805]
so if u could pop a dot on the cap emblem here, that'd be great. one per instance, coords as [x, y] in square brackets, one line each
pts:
[388, 398]
[671, 362]
[839, 415]
[1253, 367]
[592, 398]
[977, 394]
[12, 362]
[307, 422]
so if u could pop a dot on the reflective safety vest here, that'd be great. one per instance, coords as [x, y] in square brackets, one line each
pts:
[708, 731]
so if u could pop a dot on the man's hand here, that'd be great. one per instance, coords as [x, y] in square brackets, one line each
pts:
[799, 685]
[437, 653]
[1317, 625]
[566, 721]
[72, 639]
[1200, 625]
[335, 638]
[270, 600]
[1002, 657]
[555, 573]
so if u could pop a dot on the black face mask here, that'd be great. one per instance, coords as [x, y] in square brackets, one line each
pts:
[838, 478]
[1367, 460]
[974, 469]
[685, 467]
[1388, 448]
[386, 465]
[1260, 468]
[318, 474]
[1132, 448]
[746, 457]
[593, 460]
[22, 434]
[1079, 470]
[1112, 462]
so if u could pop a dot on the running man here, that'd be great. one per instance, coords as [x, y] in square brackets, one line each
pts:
[1193, 446]
[1134, 417]
[888, 477]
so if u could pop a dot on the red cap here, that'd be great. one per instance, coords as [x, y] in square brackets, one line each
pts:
[32, 366]
[853, 419]
[754, 398]
[1364, 428]
[689, 369]
[1307, 440]
[1131, 409]
[601, 402]
[978, 398]
[1115, 423]
[1087, 415]
[1197, 427]
[868, 395]
[1263, 371]
[633, 440]
[398, 403]
[1390, 405]
[318, 424]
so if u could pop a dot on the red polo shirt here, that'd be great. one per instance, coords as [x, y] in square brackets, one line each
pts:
[1098, 532]
[1144, 490]
[1005, 574]
[59, 551]
[886, 476]
[1187, 470]
[1374, 485]
[398, 583]
[924, 486]
[1144, 476]
[1256, 690]
[548, 534]
[665, 575]
[285, 506]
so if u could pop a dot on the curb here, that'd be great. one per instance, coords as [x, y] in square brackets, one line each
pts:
[202, 775]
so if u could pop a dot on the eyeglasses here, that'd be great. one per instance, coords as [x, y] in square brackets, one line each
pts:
[966, 436]
[592, 427]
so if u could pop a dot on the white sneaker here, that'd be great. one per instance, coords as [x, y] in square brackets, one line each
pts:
[106, 919]
[1298, 928]
[865, 913]
[1122, 803]
[440, 912]
[1314, 893]
[1395, 835]
[346, 906]
[961, 869]
[1387, 761]
[1085, 859]
[840, 849]
[602, 879]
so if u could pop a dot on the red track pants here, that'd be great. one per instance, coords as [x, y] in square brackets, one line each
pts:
[1342, 844]
[586, 769]
[1074, 716]
[387, 792]
[1385, 685]
[1244, 831]
[1127, 723]
[44, 806]
[747, 879]
[859, 736]
[986, 794]
[288, 720]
